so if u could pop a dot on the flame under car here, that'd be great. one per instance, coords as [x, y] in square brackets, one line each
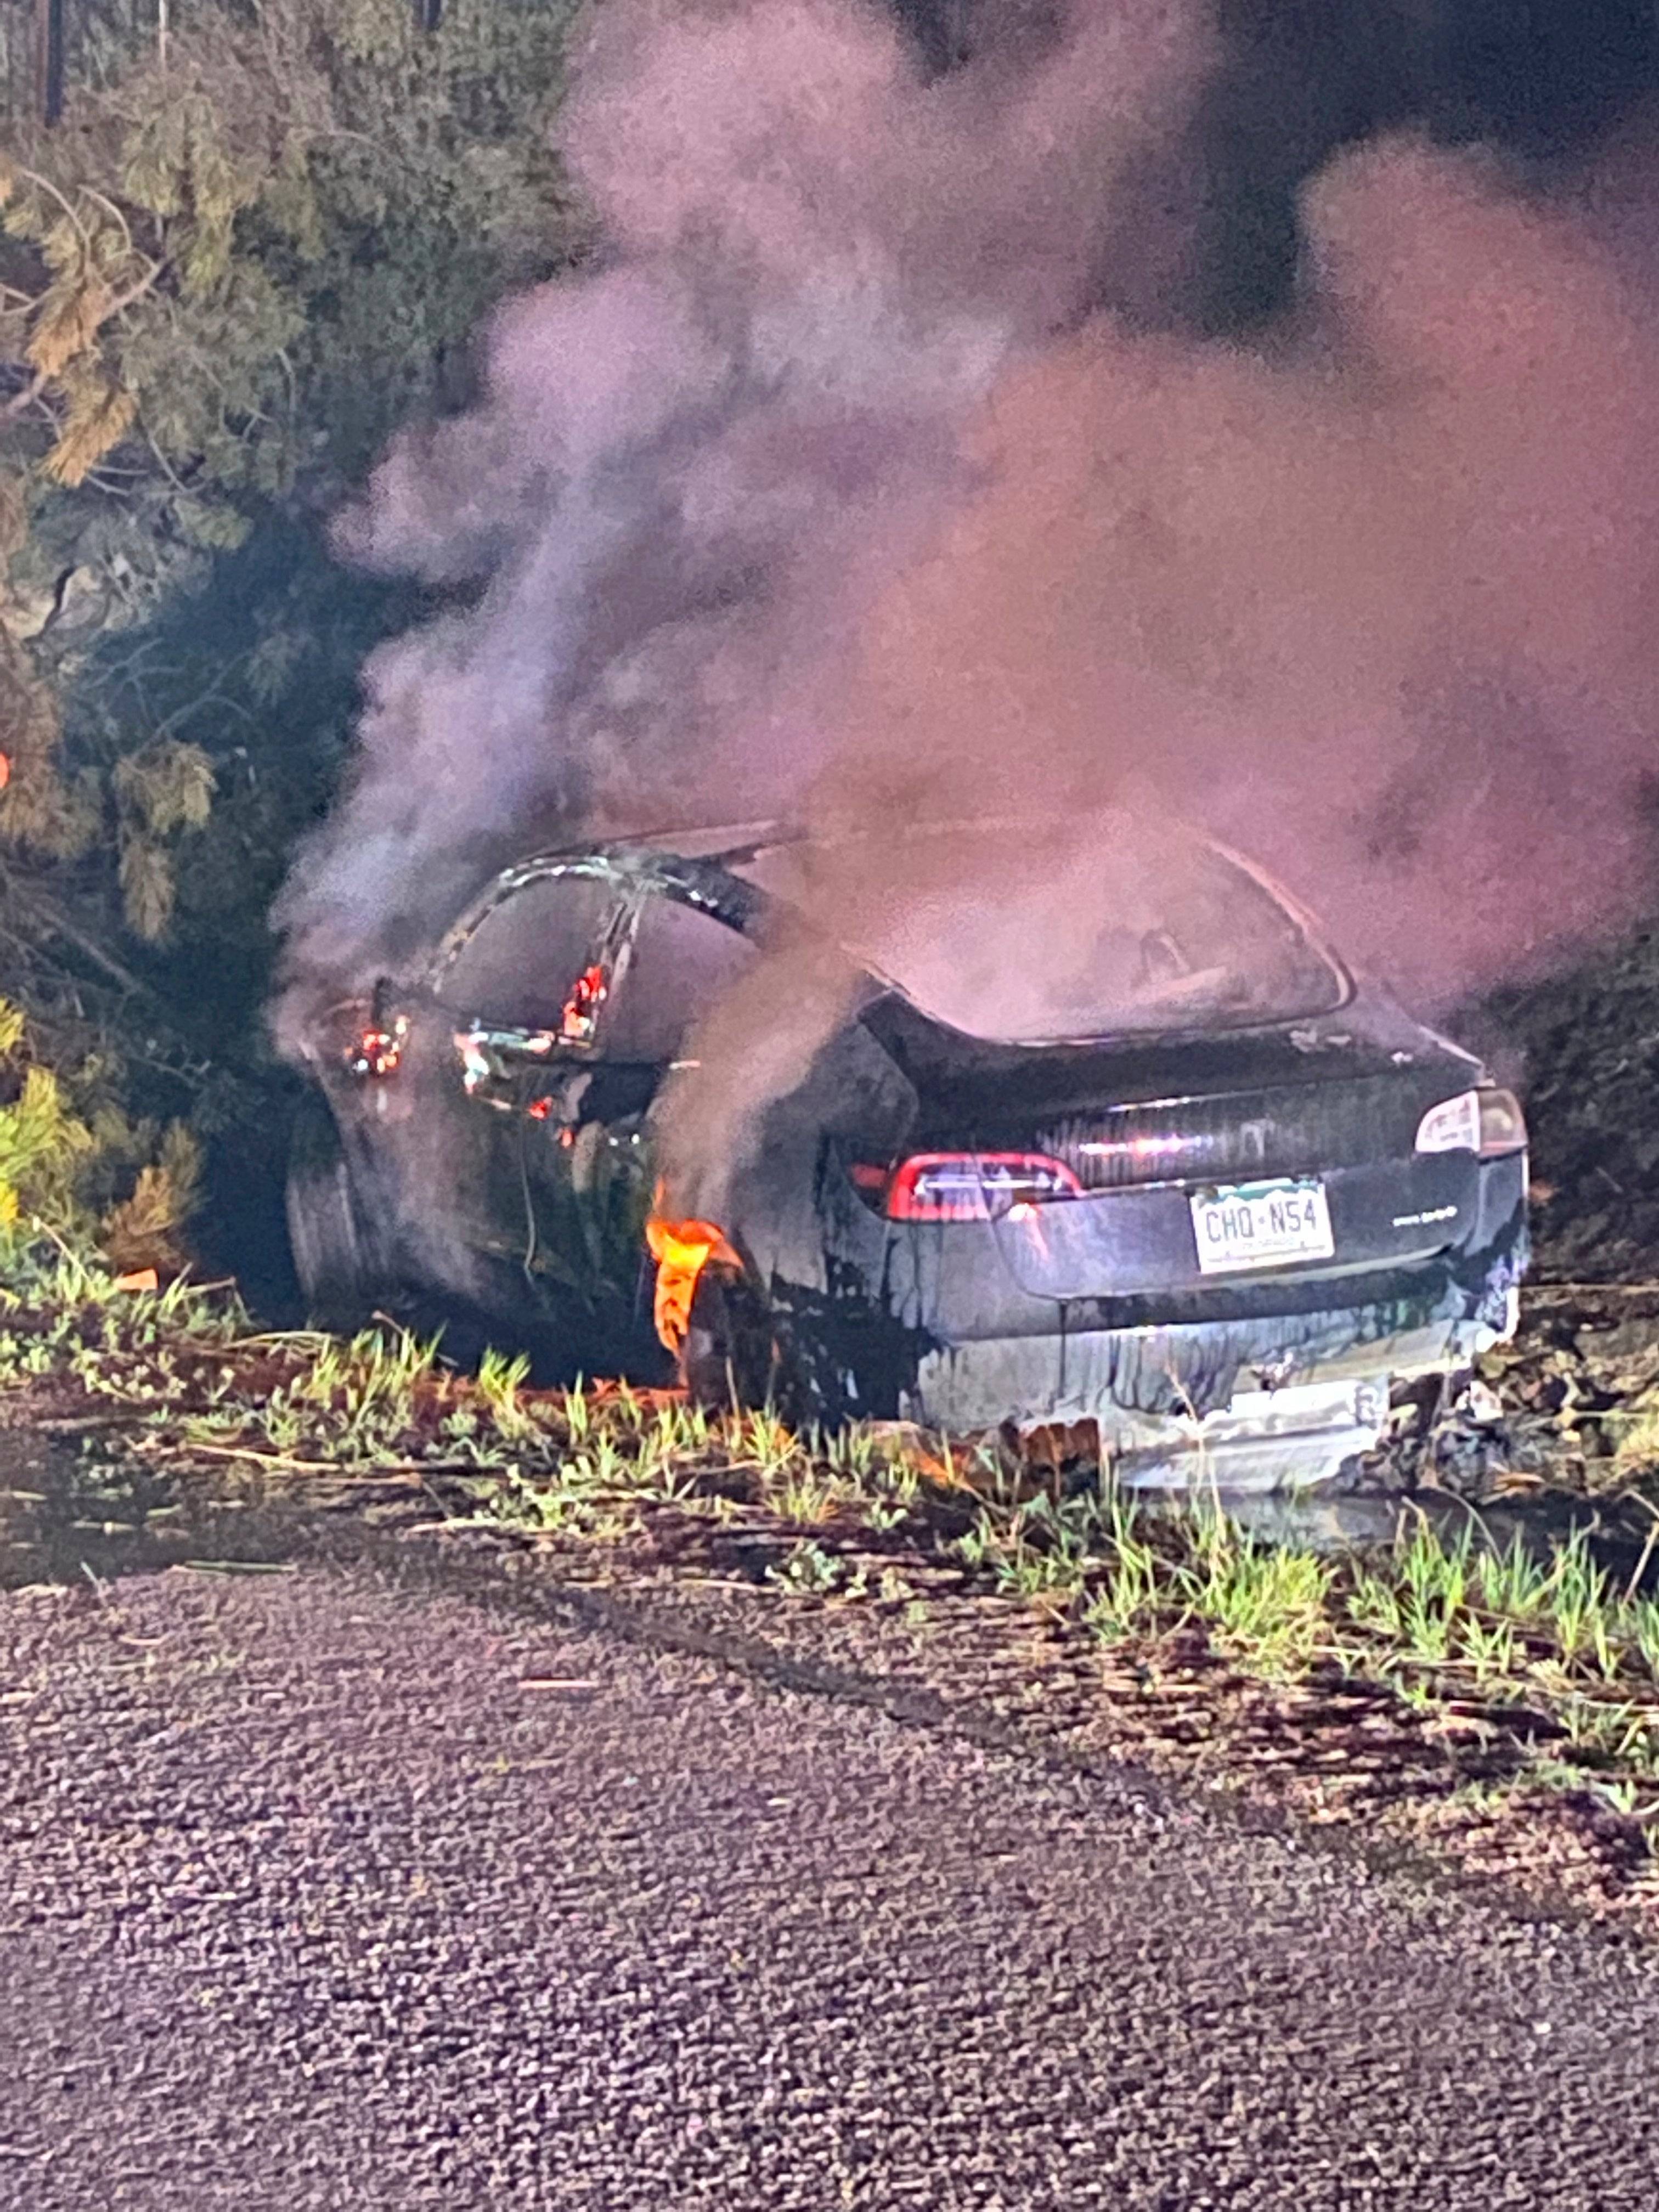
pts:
[1102, 1133]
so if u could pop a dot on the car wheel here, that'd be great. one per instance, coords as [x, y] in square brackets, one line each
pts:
[731, 1359]
[337, 1252]
[741, 1353]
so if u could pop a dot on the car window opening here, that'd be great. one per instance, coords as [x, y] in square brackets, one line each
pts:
[681, 960]
[523, 965]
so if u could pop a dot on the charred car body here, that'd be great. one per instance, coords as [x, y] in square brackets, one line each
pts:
[1196, 1185]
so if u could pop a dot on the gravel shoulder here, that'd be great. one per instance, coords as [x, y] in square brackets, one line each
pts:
[317, 1891]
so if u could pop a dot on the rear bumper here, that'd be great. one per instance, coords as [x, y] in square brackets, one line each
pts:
[1259, 1404]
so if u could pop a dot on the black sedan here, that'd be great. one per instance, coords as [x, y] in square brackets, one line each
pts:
[1194, 1184]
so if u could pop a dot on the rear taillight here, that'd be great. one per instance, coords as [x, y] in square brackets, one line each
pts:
[965, 1186]
[1488, 1123]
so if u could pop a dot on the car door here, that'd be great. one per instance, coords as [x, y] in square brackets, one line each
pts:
[520, 988]
[591, 1169]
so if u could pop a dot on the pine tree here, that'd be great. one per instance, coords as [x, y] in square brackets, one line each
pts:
[238, 259]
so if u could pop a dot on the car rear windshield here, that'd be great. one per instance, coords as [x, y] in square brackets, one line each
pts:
[1032, 932]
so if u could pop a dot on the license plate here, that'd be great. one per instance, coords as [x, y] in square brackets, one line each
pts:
[1262, 1224]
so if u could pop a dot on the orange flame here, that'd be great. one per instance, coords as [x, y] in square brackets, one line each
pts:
[580, 1013]
[682, 1249]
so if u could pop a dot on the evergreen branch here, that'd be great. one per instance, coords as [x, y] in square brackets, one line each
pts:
[113, 209]
[117, 305]
[47, 911]
[21, 401]
[45, 184]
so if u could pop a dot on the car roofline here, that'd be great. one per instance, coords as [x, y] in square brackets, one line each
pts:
[721, 843]
[726, 846]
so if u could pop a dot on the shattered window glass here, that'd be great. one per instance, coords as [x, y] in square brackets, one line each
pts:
[682, 961]
[531, 956]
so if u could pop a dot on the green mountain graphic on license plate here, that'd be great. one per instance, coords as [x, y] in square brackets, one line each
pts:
[1262, 1224]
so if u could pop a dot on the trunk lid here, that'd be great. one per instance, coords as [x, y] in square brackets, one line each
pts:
[1211, 1163]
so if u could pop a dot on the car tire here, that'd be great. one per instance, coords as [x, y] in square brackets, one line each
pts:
[730, 1360]
[338, 1258]
[740, 1354]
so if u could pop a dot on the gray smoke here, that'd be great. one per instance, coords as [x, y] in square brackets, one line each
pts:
[837, 492]
[691, 472]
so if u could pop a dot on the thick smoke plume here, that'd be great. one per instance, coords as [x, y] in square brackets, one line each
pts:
[848, 489]
[691, 472]
[1377, 608]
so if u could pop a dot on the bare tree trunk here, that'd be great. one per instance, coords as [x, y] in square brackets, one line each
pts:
[50, 17]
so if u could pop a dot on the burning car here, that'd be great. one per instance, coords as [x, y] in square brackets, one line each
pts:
[1101, 1131]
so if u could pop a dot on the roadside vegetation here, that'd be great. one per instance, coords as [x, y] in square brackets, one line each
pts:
[1512, 1666]
[237, 245]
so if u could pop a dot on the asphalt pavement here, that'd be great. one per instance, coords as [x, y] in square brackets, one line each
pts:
[316, 1891]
